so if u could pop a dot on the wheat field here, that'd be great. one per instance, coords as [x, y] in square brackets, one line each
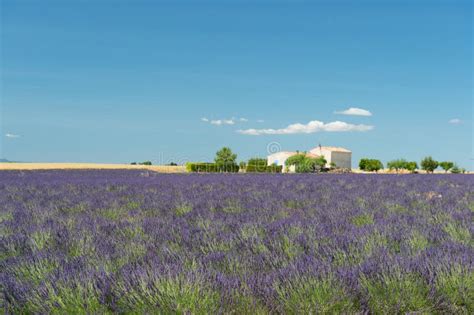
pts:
[75, 166]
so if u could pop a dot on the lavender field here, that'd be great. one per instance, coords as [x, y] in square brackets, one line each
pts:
[135, 242]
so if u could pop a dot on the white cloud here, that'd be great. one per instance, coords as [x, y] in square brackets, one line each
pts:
[354, 111]
[455, 121]
[260, 121]
[311, 127]
[11, 135]
[220, 122]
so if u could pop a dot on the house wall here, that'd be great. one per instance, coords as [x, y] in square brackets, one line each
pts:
[342, 159]
[279, 158]
[327, 154]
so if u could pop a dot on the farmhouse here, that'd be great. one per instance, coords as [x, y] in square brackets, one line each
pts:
[339, 156]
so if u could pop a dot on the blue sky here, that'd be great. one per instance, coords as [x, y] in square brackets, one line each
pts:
[121, 81]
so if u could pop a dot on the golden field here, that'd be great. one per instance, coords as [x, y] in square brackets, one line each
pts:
[155, 168]
[76, 166]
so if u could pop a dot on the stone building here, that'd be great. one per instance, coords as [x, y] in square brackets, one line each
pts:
[339, 156]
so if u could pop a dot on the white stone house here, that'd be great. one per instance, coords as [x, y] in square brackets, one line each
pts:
[340, 156]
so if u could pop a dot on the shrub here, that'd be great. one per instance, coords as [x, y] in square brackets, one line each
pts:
[257, 164]
[456, 170]
[363, 163]
[306, 164]
[133, 163]
[370, 165]
[446, 165]
[311, 165]
[227, 167]
[402, 164]
[274, 168]
[201, 167]
[252, 169]
[397, 164]
[146, 163]
[212, 168]
[267, 169]
[429, 165]
[257, 161]
[411, 166]
[295, 159]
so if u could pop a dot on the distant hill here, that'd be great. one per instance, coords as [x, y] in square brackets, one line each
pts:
[4, 161]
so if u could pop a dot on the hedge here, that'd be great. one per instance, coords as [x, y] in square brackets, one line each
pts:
[212, 168]
[265, 169]
[257, 165]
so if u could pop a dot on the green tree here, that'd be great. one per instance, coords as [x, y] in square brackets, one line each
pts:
[455, 169]
[320, 163]
[311, 165]
[374, 165]
[225, 156]
[370, 165]
[305, 164]
[429, 164]
[397, 165]
[295, 159]
[363, 164]
[446, 165]
[411, 166]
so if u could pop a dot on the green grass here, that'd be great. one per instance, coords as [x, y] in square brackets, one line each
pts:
[183, 209]
[457, 287]
[251, 231]
[170, 296]
[71, 298]
[397, 293]
[5, 216]
[245, 303]
[35, 271]
[315, 296]
[40, 239]
[417, 242]
[114, 213]
[458, 233]
[373, 241]
[363, 219]
[83, 245]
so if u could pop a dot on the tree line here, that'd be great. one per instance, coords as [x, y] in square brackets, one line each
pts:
[427, 164]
